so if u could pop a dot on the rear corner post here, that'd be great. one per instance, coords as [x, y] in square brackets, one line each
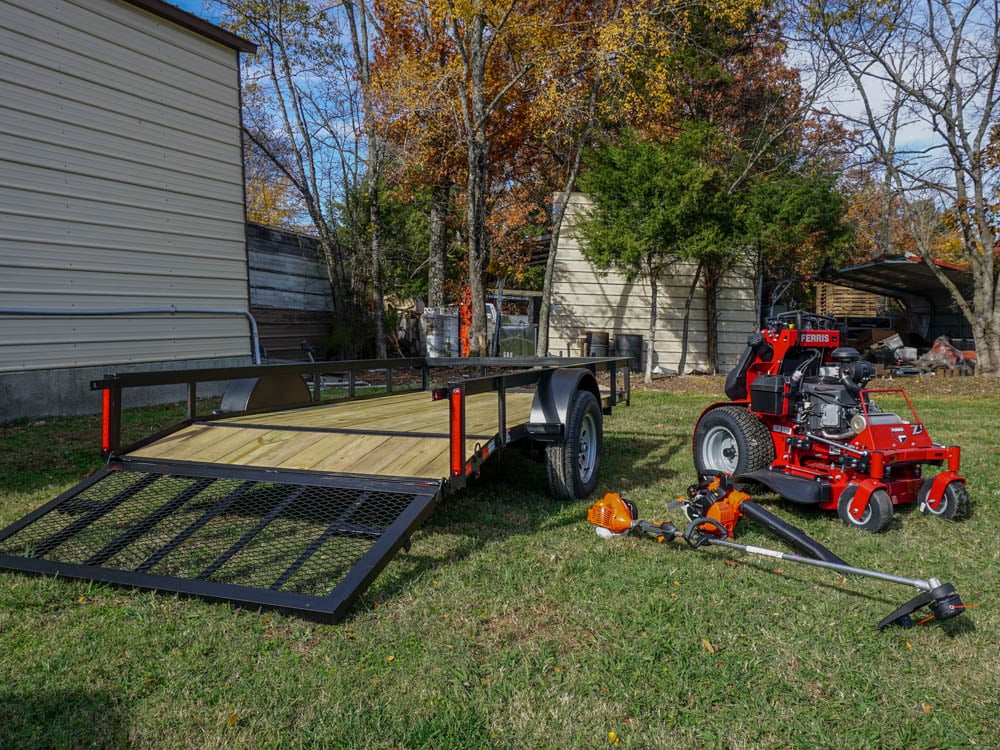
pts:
[111, 420]
[456, 431]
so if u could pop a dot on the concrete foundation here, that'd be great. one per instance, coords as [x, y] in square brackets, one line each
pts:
[57, 393]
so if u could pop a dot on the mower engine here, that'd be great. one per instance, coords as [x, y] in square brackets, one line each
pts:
[830, 404]
[802, 422]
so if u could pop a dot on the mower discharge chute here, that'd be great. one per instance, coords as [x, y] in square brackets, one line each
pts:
[801, 422]
[714, 508]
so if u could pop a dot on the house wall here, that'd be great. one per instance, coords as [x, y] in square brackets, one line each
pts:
[120, 187]
[586, 299]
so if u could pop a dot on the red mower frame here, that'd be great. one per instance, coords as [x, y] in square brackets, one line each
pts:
[801, 422]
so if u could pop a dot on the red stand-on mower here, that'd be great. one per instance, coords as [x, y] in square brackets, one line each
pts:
[801, 422]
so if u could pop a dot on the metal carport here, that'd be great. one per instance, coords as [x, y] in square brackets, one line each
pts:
[908, 279]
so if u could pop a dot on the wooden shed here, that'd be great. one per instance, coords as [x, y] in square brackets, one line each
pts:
[122, 233]
[586, 299]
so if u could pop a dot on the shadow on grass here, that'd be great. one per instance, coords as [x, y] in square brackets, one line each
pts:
[62, 718]
[511, 498]
[646, 455]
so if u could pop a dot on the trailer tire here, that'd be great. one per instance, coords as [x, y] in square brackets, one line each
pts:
[877, 515]
[731, 440]
[572, 466]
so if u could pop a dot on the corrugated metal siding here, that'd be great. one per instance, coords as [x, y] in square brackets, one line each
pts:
[120, 186]
[289, 292]
[586, 299]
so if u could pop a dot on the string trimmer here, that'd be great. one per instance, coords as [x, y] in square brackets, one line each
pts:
[714, 508]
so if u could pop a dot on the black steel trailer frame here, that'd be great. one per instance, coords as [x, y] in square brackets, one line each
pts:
[309, 542]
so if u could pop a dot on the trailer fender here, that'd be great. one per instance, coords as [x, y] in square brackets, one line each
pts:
[550, 409]
[265, 392]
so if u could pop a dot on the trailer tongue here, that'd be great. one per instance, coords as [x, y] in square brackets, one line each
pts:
[284, 502]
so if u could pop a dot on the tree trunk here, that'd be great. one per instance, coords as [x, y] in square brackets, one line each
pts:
[476, 220]
[478, 148]
[378, 296]
[438, 230]
[572, 172]
[686, 325]
[654, 303]
[542, 342]
[712, 275]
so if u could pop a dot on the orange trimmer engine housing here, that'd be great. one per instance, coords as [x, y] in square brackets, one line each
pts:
[718, 501]
[614, 513]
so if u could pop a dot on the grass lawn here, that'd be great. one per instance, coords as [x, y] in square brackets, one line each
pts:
[509, 623]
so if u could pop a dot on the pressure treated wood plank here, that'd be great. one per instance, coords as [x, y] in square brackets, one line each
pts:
[397, 435]
[347, 455]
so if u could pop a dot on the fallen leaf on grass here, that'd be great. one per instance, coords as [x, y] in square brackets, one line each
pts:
[231, 721]
[708, 646]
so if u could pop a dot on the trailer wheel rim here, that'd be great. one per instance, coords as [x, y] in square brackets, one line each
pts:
[587, 447]
[720, 450]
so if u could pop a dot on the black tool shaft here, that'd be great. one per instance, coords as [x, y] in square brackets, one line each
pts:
[795, 537]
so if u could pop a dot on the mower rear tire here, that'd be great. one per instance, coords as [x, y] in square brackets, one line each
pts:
[955, 505]
[572, 466]
[731, 440]
[876, 516]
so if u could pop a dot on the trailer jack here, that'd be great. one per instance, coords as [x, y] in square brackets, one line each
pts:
[713, 509]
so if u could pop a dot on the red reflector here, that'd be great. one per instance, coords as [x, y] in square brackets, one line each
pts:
[457, 414]
[106, 421]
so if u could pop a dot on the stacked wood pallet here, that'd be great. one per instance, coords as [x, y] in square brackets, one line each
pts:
[844, 302]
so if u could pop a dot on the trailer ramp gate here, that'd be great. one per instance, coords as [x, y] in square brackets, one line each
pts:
[308, 543]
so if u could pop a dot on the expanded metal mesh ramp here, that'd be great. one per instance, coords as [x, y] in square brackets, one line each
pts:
[307, 543]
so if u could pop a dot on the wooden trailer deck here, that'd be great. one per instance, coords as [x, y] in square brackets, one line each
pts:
[398, 435]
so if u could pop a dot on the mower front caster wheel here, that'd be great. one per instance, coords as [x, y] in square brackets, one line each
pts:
[876, 515]
[954, 505]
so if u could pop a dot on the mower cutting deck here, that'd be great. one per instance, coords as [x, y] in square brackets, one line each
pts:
[801, 422]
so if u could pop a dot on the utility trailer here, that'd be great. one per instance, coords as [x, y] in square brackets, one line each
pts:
[280, 499]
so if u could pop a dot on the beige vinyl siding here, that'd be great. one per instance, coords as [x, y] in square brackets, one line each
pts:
[120, 187]
[587, 299]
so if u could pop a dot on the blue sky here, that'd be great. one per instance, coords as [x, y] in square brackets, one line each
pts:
[199, 8]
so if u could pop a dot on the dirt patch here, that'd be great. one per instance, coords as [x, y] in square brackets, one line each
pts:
[920, 385]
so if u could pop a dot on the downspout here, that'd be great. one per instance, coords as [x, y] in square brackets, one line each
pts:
[172, 310]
